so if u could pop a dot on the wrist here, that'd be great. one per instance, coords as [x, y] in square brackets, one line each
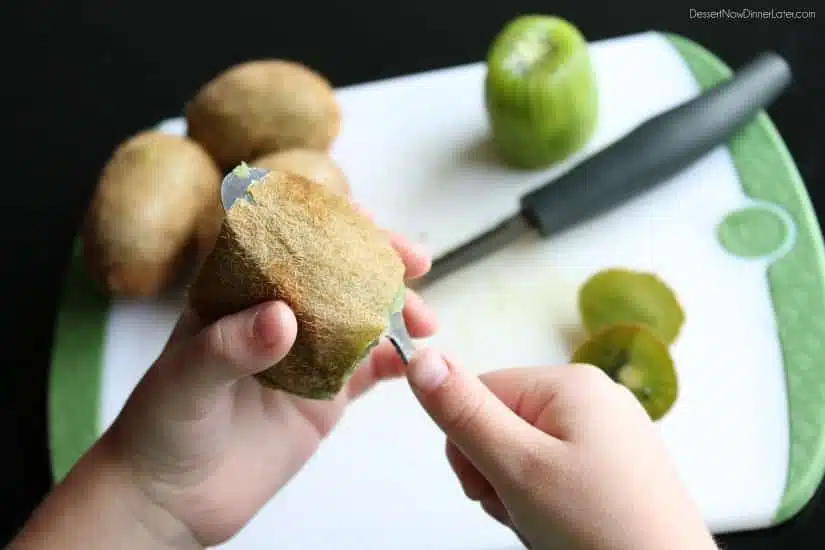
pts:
[100, 506]
[115, 486]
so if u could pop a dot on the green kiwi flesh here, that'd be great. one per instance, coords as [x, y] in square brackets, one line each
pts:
[633, 356]
[626, 296]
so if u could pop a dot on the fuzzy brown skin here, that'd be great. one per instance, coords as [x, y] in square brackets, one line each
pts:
[138, 232]
[315, 165]
[207, 227]
[263, 106]
[302, 243]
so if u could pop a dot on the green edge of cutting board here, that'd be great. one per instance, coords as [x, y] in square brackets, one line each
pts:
[766, 172]
[77, 368]
[796, 280]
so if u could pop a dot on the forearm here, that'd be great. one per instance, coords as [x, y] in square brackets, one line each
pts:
[97, 506]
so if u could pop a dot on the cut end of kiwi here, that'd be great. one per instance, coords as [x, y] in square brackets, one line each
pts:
[626, 296]
[536, 42]
[633, 356]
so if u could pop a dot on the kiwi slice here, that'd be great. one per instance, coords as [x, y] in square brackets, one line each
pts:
[626, 296]
[139, 233]
[540, 91]
[633, 356]
[301, 242]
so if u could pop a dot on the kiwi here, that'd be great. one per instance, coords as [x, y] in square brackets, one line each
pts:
[258, 107]
[617, 295]
[315, 165]
[632, 355]
[541, 92]
[298, 241]
[207, 227]
[138, 234]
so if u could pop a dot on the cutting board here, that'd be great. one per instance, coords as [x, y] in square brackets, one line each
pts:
[734, 235]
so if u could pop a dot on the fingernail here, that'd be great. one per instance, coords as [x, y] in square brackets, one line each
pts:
[420, 250]
[265, 326]
[427, 371]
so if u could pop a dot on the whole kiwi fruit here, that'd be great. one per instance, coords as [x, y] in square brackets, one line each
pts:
[315, 165]
[295, 240]
[262, 106]
[138, 233]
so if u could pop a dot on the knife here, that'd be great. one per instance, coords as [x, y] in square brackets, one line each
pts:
[652, 152]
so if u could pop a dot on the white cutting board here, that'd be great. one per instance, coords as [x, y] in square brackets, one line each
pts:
[413, 149]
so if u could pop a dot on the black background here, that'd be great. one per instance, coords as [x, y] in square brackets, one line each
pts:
[82, 75]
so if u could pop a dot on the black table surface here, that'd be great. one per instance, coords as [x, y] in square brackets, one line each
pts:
[84, 74]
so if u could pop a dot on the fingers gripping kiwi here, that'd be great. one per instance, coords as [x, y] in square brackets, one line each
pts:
[298, 241]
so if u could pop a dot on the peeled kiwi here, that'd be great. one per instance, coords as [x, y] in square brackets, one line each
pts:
[315, 165]
[298, 241]
[541, 91]
[139, 233]
[263, 106]
[626, 296]
[635, 357]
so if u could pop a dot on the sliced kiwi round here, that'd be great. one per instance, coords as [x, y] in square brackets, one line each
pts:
[540, 91]
[633, 356]
[625, 296]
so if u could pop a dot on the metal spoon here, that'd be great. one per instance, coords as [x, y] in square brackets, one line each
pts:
[399, 337]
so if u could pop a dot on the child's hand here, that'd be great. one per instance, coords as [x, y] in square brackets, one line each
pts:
[207, 442]
[560, 455]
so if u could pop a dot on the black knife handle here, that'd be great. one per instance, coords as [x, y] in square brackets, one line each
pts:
[657, 149]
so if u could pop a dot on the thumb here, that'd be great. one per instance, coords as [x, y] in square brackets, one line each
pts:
[235, 346]
[498, 442]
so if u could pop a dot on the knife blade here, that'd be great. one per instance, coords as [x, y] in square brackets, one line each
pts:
[649, 154]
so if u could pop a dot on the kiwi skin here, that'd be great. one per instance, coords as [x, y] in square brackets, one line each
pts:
[298, 241]
[207, 227]
[262, 106]
[138, 233]
[315, 165]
